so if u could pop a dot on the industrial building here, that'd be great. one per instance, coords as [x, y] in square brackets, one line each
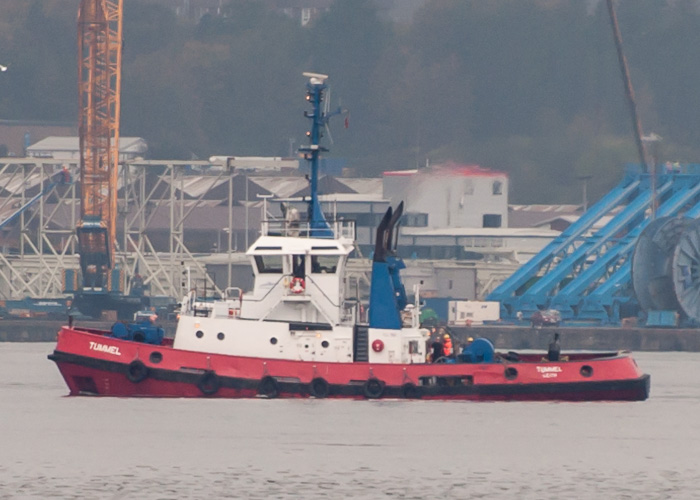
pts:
[194, 219]
[189, 222]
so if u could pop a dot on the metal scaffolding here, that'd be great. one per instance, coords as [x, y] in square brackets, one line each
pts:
[40, 207]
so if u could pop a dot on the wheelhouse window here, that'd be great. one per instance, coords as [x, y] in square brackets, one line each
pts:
[269, 264]
[324, 264]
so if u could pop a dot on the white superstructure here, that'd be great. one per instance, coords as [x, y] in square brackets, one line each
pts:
[297, 309]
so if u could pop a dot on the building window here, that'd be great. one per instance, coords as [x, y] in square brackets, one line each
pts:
[415, 220]
[420, 252]
[492, 220]
[497, 188]
[363, 220]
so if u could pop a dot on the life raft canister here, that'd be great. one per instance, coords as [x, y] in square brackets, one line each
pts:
[297, 285]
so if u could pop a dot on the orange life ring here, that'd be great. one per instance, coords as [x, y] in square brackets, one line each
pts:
[297, 285]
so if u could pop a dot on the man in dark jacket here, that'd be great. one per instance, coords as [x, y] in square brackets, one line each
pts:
[438, 351]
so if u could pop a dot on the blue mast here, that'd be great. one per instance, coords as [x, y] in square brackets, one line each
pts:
[318, 225]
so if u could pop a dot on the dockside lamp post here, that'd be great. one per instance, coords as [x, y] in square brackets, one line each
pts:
[652, 142]
[585, 179]
[3, 68]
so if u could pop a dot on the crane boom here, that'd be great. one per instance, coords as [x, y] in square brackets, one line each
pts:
[99, 87]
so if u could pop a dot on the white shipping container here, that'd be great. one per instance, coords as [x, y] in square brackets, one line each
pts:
[472, 312]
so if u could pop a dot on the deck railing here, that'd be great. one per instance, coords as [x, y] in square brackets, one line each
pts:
[342, 229]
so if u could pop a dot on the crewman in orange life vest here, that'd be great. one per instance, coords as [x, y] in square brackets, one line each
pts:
[447, 344]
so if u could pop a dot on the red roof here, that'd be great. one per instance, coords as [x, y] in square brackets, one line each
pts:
[450, 169]
[400, 173]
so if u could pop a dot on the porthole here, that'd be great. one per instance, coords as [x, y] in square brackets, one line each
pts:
[273, 340]
[511, 373]
[155, 357]
[220, 336]
[199, 334]
[586, 371]
[325, 343]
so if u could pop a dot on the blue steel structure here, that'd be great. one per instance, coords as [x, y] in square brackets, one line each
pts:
[585, 274]
[387, 296]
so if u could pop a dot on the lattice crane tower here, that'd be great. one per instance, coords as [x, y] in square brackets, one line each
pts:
[99, 84]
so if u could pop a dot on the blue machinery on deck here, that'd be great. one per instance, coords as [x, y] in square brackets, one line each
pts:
[586, 274]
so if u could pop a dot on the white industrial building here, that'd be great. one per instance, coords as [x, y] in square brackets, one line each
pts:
[453, 195]
[68, 148]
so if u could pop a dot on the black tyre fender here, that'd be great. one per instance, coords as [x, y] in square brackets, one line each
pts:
[268, 387]
[319, 388]
[139, 336]
[136, 371]
[373, 388]
[209, 383]
[410, 391]
[510, 373]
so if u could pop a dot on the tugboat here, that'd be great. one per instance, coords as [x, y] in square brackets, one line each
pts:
[296, 334]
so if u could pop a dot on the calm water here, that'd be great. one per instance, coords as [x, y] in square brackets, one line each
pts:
[59, 447]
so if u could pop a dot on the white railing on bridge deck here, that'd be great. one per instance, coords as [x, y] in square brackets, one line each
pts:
[342, 229]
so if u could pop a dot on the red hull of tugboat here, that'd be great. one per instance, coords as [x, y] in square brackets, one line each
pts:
[93, 363]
